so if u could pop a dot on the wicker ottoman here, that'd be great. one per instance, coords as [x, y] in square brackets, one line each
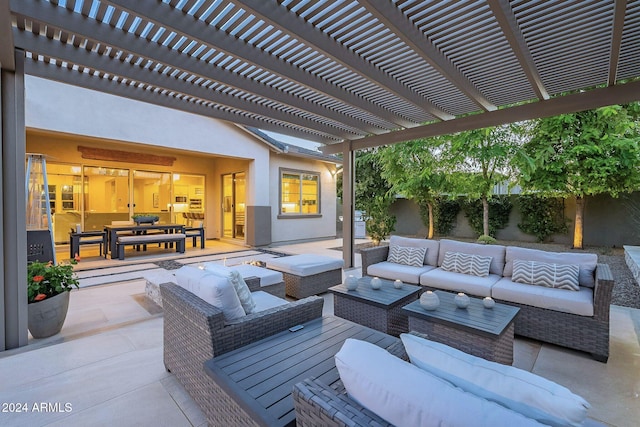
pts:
[306, 275]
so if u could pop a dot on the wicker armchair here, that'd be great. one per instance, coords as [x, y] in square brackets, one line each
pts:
[195, 331]
[318, 405]
[589, 334]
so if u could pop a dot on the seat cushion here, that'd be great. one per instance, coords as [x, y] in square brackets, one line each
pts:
[305, 265]
[516, 389]
[405, 395]
[575, 302]
[432, 246]
[217, 291]
[587, 262]
[264, 301]
[496, 252]
[458, 282]
[393, 271]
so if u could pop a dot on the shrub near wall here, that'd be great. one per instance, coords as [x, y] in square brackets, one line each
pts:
[542, 216]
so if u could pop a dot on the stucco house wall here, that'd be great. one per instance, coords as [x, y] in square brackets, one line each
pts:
[207, 146]
[290, 228]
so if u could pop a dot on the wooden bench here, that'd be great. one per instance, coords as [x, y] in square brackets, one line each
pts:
[144, 239]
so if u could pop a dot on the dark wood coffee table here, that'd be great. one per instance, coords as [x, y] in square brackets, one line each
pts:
[380, 309]
[483, 332]
[254, 383]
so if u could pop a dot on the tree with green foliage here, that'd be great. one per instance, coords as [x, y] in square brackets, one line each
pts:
[412, 169]
[542, 216]
[373, 195]
[499, 211]
[584, 154]
[480, 159]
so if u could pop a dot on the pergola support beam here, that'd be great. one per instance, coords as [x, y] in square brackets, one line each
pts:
[610, 95]
[13, 246]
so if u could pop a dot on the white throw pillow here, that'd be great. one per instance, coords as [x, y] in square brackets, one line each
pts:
[513, 388]
[474, 265]
[215, 290]
[406, 255]
[560, 276]
[405, 395]
[244, 294]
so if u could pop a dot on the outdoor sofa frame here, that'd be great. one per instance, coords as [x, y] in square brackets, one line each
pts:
[195, 331]
[589, 334]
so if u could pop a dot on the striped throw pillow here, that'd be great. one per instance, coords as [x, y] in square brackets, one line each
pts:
[413, 257]
[560, 276]
[474, 265]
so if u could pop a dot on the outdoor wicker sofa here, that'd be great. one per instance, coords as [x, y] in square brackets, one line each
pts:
[195, 331]
[588, 333]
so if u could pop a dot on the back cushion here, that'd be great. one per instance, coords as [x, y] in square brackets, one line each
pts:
[496, 252]
[405, 395]
[519, 390]
[561, 276]
[430, 258]
[587, 262]
[406, 255]
[215, 290]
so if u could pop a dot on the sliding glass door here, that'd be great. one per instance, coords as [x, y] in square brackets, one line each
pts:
[233, 205]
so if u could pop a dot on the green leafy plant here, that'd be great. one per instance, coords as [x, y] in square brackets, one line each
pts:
[380, 223]
[542, 216]
[445, 212]
[486, 240]
[45, 280]
[499, 210]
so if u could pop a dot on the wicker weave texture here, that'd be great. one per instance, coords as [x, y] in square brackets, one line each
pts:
[304, 286]
[589, 334]
[391, 320]
[498, 349]
[372, 256]
[195, 331]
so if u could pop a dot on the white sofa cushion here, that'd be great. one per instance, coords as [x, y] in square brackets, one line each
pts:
[432, 246]
[405, 395]
[514, 388]
[305, 265]
[458, 282]
[267, 277]
[214, 268]
[264, 300]
[244, 294]
[496, 252]
[406, 255]
[215, 290]
[475, 265]
[560, 276]
[587, 262]
[580, 302]
[393, 271]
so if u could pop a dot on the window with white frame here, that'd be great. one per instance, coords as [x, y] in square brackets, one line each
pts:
[299, 192]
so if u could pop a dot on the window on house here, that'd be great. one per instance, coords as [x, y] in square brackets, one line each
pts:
[300, 193]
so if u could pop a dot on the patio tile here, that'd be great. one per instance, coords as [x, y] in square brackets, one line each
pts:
[154, 406]
[186, 404]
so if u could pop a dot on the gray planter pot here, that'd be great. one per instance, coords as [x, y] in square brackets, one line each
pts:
[47, 316]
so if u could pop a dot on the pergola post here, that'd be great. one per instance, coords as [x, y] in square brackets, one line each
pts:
[348, 196]
[13, 246]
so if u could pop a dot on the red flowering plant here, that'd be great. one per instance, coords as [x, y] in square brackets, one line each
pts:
[46, 280]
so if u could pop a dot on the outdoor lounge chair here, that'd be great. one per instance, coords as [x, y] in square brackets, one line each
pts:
[195, 331]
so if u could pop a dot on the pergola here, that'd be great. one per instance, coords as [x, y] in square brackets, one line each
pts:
[349, 74]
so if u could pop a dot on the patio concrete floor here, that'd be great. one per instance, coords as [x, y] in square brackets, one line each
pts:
[106, 368]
